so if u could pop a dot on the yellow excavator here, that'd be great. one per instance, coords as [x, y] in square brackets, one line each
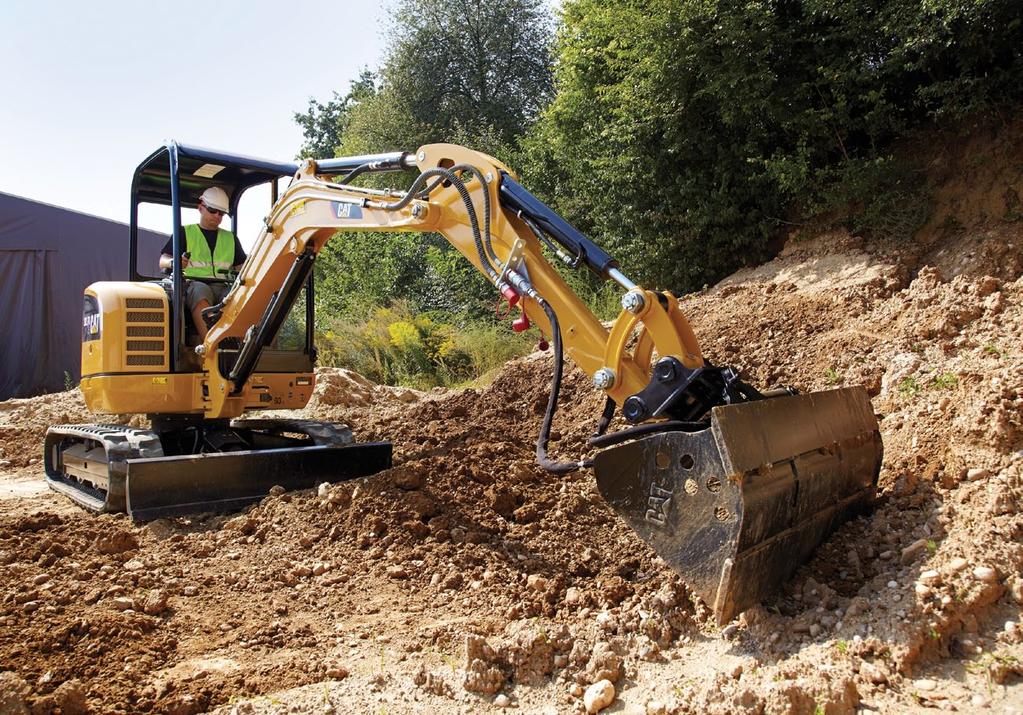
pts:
[731, 486]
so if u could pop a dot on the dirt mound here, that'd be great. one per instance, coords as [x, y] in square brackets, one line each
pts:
[465, 578]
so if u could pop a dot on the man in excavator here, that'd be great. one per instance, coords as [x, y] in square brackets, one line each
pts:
[211, 252]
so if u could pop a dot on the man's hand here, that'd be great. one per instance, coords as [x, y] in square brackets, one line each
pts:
[167, 262]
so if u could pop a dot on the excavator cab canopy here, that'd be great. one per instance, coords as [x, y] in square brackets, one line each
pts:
[176, 174]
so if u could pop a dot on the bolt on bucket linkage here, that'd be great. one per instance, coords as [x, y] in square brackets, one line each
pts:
[736, 507]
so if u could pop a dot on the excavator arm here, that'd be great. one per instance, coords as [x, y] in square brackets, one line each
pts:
[499, 243]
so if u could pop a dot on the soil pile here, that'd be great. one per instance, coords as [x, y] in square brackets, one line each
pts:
[466, 579]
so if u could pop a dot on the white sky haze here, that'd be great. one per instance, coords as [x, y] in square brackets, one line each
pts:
[88, 90]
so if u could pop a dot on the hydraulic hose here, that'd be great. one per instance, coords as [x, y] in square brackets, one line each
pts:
[463, 193]
[552, 403]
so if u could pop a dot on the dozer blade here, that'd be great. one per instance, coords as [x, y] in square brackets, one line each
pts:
[736, 507]
[173, 486]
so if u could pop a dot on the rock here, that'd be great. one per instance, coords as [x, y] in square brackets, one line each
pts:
[872, 673]
[980, 701]
[155, 603]
[598, 696]
[815, 630]
[502, 701]
[277, 490]
[408, 478]
[242, 524]
[911, 552]
[536, 582]
[337, 672]
[134, 565]
[1016, 589]
[12, 694]
[922, 590]
[397, 572]
[604, 664]
[925, 684]
[930, 577]
[116, 542]
[70, 697]
[893, 584]
[976, 474]
[957, 564]
[122, 603]
[573, 596]
[900, 367]
[190, 590]
[730, 630]
[41, 579]
[656, 707]
[985, 574]
[323, 489]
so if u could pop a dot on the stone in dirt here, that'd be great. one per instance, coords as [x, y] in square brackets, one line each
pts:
[12, 694]
[70, 697]
[155, 603]
[598, 696]
[116, 542]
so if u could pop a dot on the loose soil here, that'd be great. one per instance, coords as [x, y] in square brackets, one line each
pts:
[466, 579]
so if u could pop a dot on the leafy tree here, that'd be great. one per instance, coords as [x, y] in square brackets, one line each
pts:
[324, 124]
[469, 73]
[685, 132]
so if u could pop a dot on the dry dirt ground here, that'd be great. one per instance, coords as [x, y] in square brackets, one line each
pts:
[465, 579]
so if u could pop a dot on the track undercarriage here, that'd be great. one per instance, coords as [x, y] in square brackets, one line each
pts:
[184, 466]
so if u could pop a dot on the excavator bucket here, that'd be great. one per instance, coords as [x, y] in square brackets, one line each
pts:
[736, 507]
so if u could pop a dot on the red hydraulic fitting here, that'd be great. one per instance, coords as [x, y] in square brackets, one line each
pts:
[521, 323]
[510, 295]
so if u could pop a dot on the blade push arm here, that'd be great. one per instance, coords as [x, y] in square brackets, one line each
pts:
[473, 201]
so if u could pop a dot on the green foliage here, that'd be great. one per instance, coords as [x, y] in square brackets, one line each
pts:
[325, 123]
[909, 387]
[833, 376]
[395, 345]
[945, 381]
[685, 133]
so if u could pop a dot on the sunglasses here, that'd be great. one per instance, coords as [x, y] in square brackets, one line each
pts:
[215, 212]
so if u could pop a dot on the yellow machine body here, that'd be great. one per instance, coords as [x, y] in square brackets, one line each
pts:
[125, 359]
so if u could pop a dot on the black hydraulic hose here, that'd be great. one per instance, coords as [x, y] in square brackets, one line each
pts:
[552, 404]
[360, 169]
[486, 209]
[651, 428]
[469, 208]
[605, 417]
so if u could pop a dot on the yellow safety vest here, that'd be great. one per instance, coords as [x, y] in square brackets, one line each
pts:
[200, 263]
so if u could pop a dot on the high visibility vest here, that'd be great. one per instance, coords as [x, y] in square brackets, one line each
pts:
[200, 263]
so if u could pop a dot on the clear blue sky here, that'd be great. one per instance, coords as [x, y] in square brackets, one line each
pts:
[88, 90]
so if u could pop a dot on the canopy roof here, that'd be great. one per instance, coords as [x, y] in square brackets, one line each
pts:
[199, 169]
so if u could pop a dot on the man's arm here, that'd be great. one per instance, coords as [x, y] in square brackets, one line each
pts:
[167, 261]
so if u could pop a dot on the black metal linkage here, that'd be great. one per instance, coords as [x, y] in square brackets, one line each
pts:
[516, 199]
[275, 314]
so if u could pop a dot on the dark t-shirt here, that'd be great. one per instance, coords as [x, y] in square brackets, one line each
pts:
[211, 241]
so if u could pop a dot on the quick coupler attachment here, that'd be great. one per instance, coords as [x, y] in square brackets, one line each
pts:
[735, 508]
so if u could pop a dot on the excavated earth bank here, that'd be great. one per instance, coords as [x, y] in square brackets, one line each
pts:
[466, 579]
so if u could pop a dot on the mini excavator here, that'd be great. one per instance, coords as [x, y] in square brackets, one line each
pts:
[731, 486]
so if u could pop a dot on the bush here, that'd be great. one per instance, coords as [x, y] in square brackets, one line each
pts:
[395, 346]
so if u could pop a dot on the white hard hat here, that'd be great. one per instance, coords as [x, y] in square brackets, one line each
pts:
[215, 198]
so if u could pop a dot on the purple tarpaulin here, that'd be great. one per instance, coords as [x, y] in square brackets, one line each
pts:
[48, 255]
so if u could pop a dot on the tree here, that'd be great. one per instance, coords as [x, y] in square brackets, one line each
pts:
[685, 132]
[324, 124]
[455, 71]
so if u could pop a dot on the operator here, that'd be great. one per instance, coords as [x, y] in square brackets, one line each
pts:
[210, 252]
